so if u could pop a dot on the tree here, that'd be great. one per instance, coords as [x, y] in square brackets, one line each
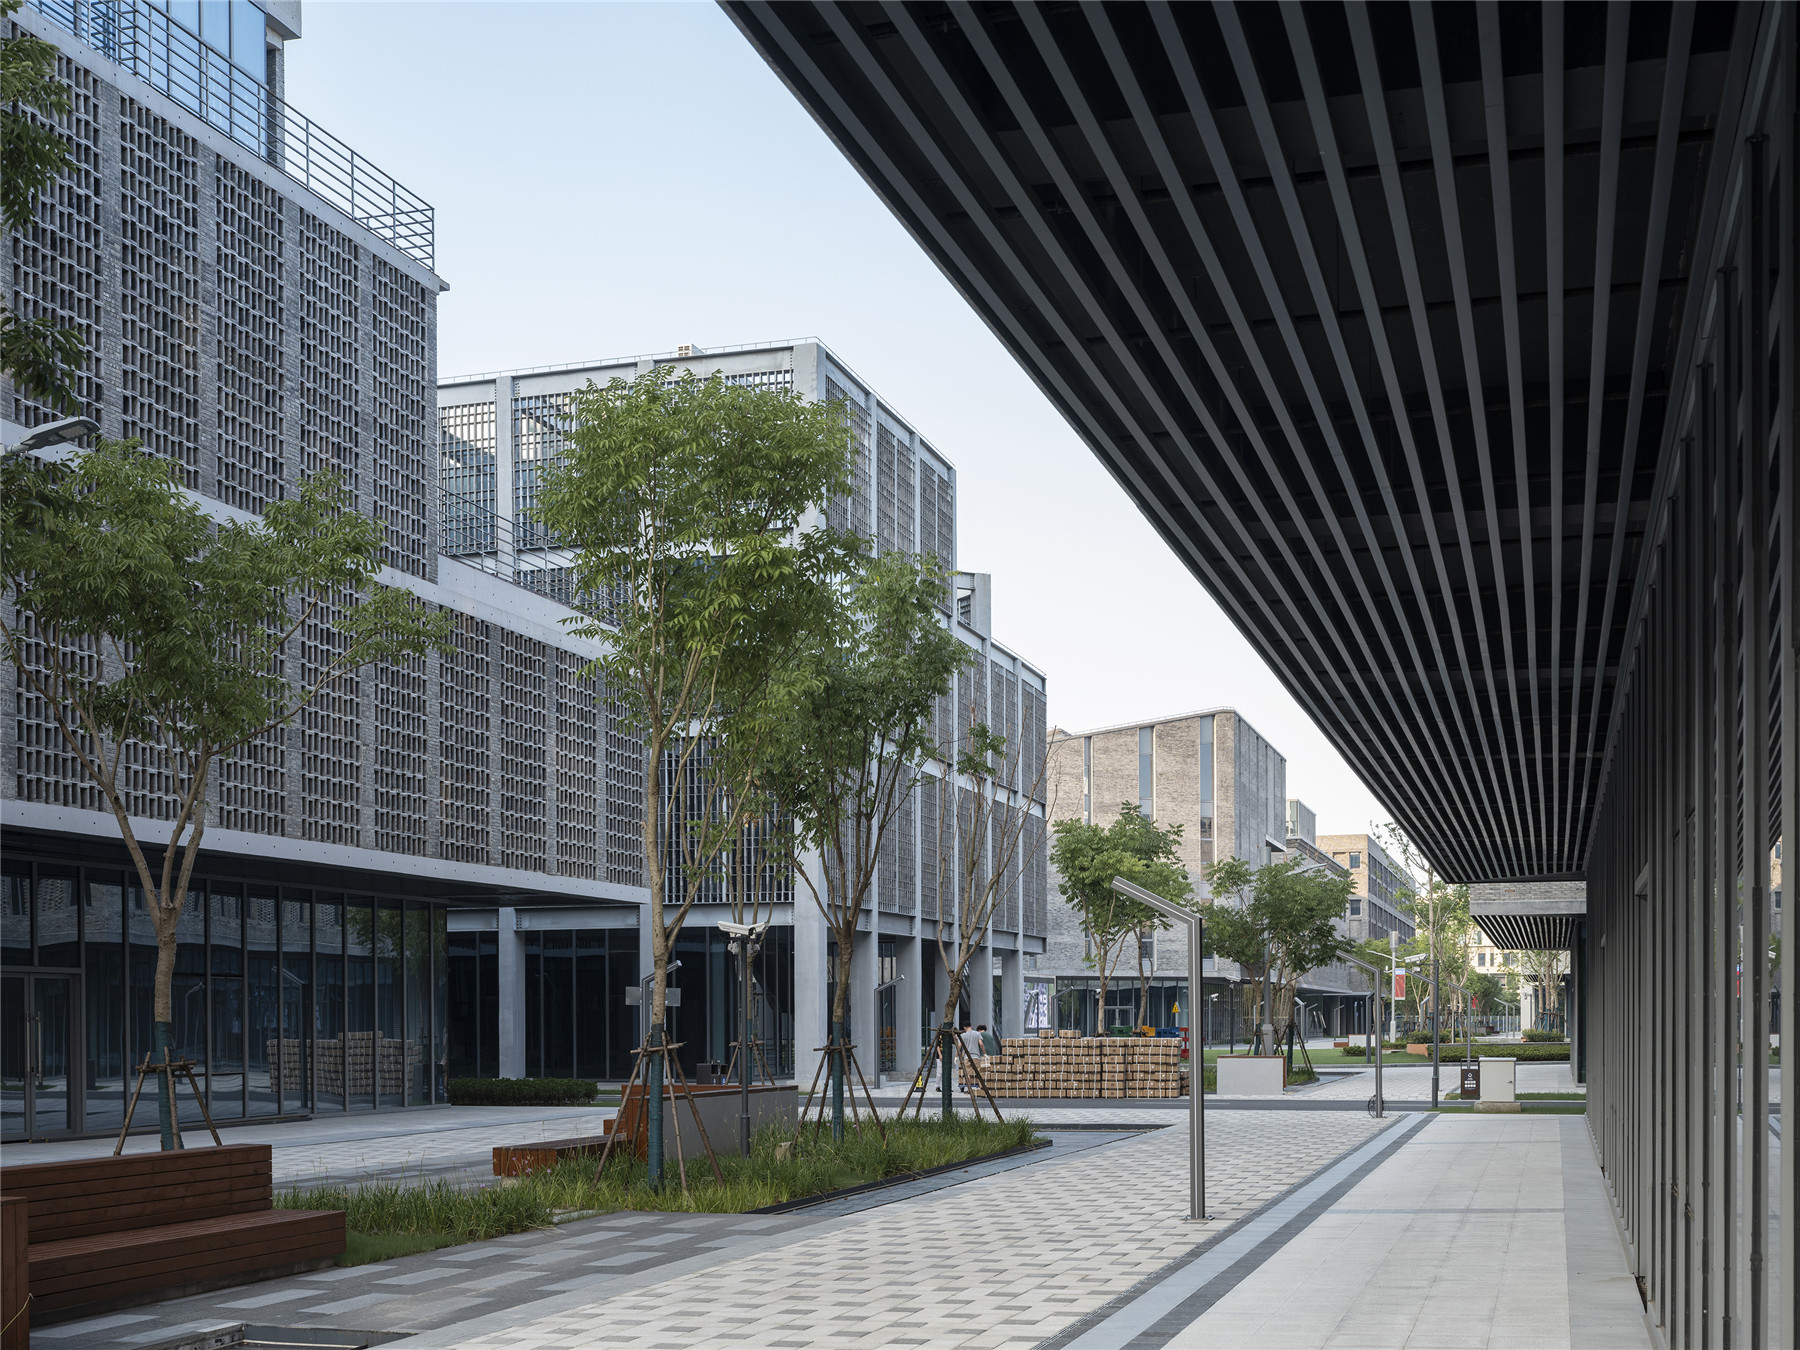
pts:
[980, 832]
[1283, 927]
[1543, 970]
[682, 499]
[857, 743]
[1088, 857]
[1440, 917]
[39, 354]
[151, 631]
[1486, 990]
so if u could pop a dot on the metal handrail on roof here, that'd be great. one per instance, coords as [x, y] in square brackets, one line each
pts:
[174, 61]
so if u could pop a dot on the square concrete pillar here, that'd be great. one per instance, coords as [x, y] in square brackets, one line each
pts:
[810, 939]
[859, 1011]
[1012, 993]
[511, 981]
[909, 1010]
[980, 980]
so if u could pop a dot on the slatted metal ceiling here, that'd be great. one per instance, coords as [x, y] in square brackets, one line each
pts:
[1389, 374]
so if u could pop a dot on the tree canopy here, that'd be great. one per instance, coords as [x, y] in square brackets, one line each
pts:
[1087, 858]
[683, 501]
[1283, 926]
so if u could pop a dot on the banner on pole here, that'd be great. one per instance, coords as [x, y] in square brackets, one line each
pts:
[1399, 984]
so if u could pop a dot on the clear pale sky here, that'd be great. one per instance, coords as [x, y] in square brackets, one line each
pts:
[613, 179]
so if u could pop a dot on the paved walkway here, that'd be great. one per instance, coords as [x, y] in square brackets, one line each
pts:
[434, 1141]
[1477, 1231]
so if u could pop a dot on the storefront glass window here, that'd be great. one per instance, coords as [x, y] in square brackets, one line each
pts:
[262, 1031]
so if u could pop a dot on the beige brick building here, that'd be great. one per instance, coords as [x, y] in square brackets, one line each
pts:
[1381, 884]
[1217, 777]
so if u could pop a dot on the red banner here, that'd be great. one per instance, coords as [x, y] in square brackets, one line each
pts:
[1399, 985]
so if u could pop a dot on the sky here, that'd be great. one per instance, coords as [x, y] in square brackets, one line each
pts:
[613, 179]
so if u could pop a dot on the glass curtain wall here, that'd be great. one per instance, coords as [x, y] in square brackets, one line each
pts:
[576, 1021]
[271, 987]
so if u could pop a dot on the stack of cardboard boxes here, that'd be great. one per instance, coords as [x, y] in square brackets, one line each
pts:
[1066, 1064]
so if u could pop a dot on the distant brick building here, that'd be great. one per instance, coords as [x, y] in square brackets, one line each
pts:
[1217, 777]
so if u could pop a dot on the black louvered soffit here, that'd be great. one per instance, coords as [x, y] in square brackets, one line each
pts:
[1389, 374]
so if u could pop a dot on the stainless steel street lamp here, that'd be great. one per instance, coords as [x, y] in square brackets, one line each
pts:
[1196, 1066]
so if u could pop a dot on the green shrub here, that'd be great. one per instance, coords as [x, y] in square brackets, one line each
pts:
[1540, 1054]
[1536, 1035]
[771, 1175]
[522, 1091]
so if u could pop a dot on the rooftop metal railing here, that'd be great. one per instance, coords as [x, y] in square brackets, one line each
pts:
[475, 534]
[174, 61]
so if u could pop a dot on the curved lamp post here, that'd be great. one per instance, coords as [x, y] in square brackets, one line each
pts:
[1196, 1066]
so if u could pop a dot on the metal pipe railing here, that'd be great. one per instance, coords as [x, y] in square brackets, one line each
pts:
[174, 61]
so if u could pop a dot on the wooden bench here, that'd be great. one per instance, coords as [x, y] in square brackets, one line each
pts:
[521, 1160]
[111, 1232]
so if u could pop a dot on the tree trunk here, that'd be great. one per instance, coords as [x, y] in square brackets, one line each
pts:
[947, 1080]
[659, 965]
[840, 1031]
[163, 1014]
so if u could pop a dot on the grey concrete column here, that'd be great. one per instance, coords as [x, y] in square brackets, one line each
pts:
[646, 963]
[981, 986]
[511, 996]
[859, 1011]
[809, 985]
[1012, 992]
[504, 498]
[908, 1006]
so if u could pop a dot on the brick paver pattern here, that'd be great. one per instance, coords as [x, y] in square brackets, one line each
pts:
[1004, 1261]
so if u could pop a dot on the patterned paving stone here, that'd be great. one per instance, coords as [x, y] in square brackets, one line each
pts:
[947, 1268]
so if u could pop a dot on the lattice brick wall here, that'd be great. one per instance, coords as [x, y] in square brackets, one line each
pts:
[624, 799]
[578, 755]
[57, 268]
[1037, 878]
[466, 440]
[541, 423]
[402, 755]
[330, 733]
[895, 491]
[933, 871]
[465, 732]
[852, 512]
[524, 744]
[249, 272]
[330, 314]
[252, 780]
[404, 408]
[45, 768]
[159, 286]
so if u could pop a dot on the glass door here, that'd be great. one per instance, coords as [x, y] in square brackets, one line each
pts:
[37, 1047]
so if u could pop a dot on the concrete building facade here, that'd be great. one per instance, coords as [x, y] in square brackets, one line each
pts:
[434, 871]
[1225, 784]
[502, 431]
[1382, 886]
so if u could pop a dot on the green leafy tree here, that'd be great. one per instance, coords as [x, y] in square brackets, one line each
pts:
[1487, 992]
[1282, 926]
[40, 355]
[1087, 858]
[858, 741]
[1443, 930]
[682, 499]
[140, 621]
[981, 828]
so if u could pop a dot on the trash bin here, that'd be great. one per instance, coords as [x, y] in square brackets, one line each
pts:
[1471, 1082]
